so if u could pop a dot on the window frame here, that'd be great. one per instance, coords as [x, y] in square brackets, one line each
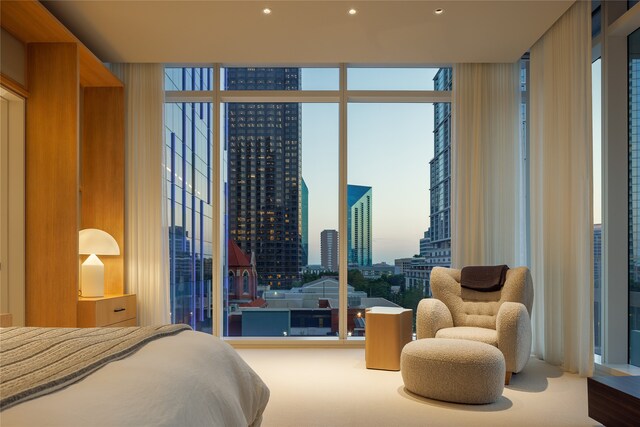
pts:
[342, 97]
[611, 46]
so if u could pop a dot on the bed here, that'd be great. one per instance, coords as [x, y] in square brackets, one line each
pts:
[185, 378]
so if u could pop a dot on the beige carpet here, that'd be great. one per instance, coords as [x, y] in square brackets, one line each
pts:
[332, 387]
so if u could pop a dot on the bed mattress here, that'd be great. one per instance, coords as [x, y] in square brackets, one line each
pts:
[189, 379]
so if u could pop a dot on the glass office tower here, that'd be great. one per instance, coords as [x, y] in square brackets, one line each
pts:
[634, 198]
[189, 168]
[264, 183]
[305, 224]
[440, 216]
[359, 225]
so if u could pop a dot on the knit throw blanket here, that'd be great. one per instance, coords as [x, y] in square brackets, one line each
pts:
[39, 361]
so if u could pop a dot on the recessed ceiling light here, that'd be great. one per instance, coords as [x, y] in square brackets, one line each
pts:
[352, 11]
[438, 11]
[266, 11]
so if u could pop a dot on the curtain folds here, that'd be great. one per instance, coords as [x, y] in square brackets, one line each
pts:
[146, 237]
[487, 193]
[561, 212]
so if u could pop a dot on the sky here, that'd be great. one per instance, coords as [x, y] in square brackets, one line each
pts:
[596, 79]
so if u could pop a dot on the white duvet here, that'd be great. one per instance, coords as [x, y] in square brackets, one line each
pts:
[189, 379]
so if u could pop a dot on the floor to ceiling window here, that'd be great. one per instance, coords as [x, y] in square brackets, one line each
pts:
[596, 79]
[281, 188]
[281, 193]
[398, 217]
[280, 135]
[616, 141]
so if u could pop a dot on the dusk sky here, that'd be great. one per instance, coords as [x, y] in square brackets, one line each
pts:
[596, 78]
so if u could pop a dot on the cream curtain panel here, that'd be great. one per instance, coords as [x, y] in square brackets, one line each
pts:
[561, 200]
[146, 237]
[487, 193]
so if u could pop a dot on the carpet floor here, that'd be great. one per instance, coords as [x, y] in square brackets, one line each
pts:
[332, 387]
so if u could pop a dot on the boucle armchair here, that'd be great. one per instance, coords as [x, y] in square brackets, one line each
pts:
[500, 318]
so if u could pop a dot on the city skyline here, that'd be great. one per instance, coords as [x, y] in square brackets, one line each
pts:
[320, 157]
[380, 135]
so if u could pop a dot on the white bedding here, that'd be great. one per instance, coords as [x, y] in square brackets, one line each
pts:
[189, 379]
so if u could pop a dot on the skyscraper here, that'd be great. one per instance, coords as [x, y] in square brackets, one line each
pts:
[305, 224]
[597, 289]
[189, 163]
[264, 188]
[440, 216]
[329, 249]
[359, 225]
[425, 243]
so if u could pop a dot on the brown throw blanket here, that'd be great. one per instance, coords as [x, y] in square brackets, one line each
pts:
[39, 361]
[484, 278]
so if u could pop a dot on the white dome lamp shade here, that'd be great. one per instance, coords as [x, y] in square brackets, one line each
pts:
[95, 242]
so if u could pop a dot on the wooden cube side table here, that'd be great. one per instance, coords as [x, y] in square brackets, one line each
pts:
[387, 331]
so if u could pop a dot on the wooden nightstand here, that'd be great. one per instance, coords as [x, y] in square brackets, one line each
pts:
[109, 311]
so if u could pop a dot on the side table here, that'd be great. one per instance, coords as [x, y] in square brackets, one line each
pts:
[387, 331]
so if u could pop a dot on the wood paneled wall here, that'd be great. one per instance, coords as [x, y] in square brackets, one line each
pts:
[30, 22]
[102, 173]
[52, 184]
[58, 68]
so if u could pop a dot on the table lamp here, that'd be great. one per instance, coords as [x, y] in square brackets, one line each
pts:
[95, 242]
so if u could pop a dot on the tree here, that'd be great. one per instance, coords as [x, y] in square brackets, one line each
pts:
[395, 280]
[357, 280]
[410, 299]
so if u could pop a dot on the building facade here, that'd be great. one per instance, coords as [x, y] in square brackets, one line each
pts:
[402, 265]
[376, 271]
[264, 182]
[416, 276]
[329, 249]
[425, 243]
[305, 224]
[439, 233]
[189, 168]
[359, 203]
[634, 195]
[242, 276]
[597, 288]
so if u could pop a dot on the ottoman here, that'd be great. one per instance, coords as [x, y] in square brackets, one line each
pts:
[453, 370]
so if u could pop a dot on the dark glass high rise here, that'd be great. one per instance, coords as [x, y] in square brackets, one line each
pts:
[440, 217]
[634, 197]
[264, 193]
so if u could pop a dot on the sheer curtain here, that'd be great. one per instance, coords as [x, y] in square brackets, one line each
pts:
[487, 197]
[146, 236]
[561, 192]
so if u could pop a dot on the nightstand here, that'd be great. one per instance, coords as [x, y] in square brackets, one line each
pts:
[107, 311]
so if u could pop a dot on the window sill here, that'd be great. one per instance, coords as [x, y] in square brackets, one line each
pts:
[616, 369]
[294, 342]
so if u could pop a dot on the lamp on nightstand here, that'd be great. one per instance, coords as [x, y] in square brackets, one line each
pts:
[95, 242]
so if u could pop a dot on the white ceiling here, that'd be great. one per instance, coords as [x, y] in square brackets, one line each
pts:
[307, 31]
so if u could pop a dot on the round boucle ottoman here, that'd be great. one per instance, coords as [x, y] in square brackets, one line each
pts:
[454, 370]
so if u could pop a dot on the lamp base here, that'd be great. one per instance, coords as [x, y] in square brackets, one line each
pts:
[92, 277]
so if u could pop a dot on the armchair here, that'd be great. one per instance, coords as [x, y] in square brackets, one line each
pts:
[500, 318]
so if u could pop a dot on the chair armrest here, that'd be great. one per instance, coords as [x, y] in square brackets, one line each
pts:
[514, 335]
[432, 316]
